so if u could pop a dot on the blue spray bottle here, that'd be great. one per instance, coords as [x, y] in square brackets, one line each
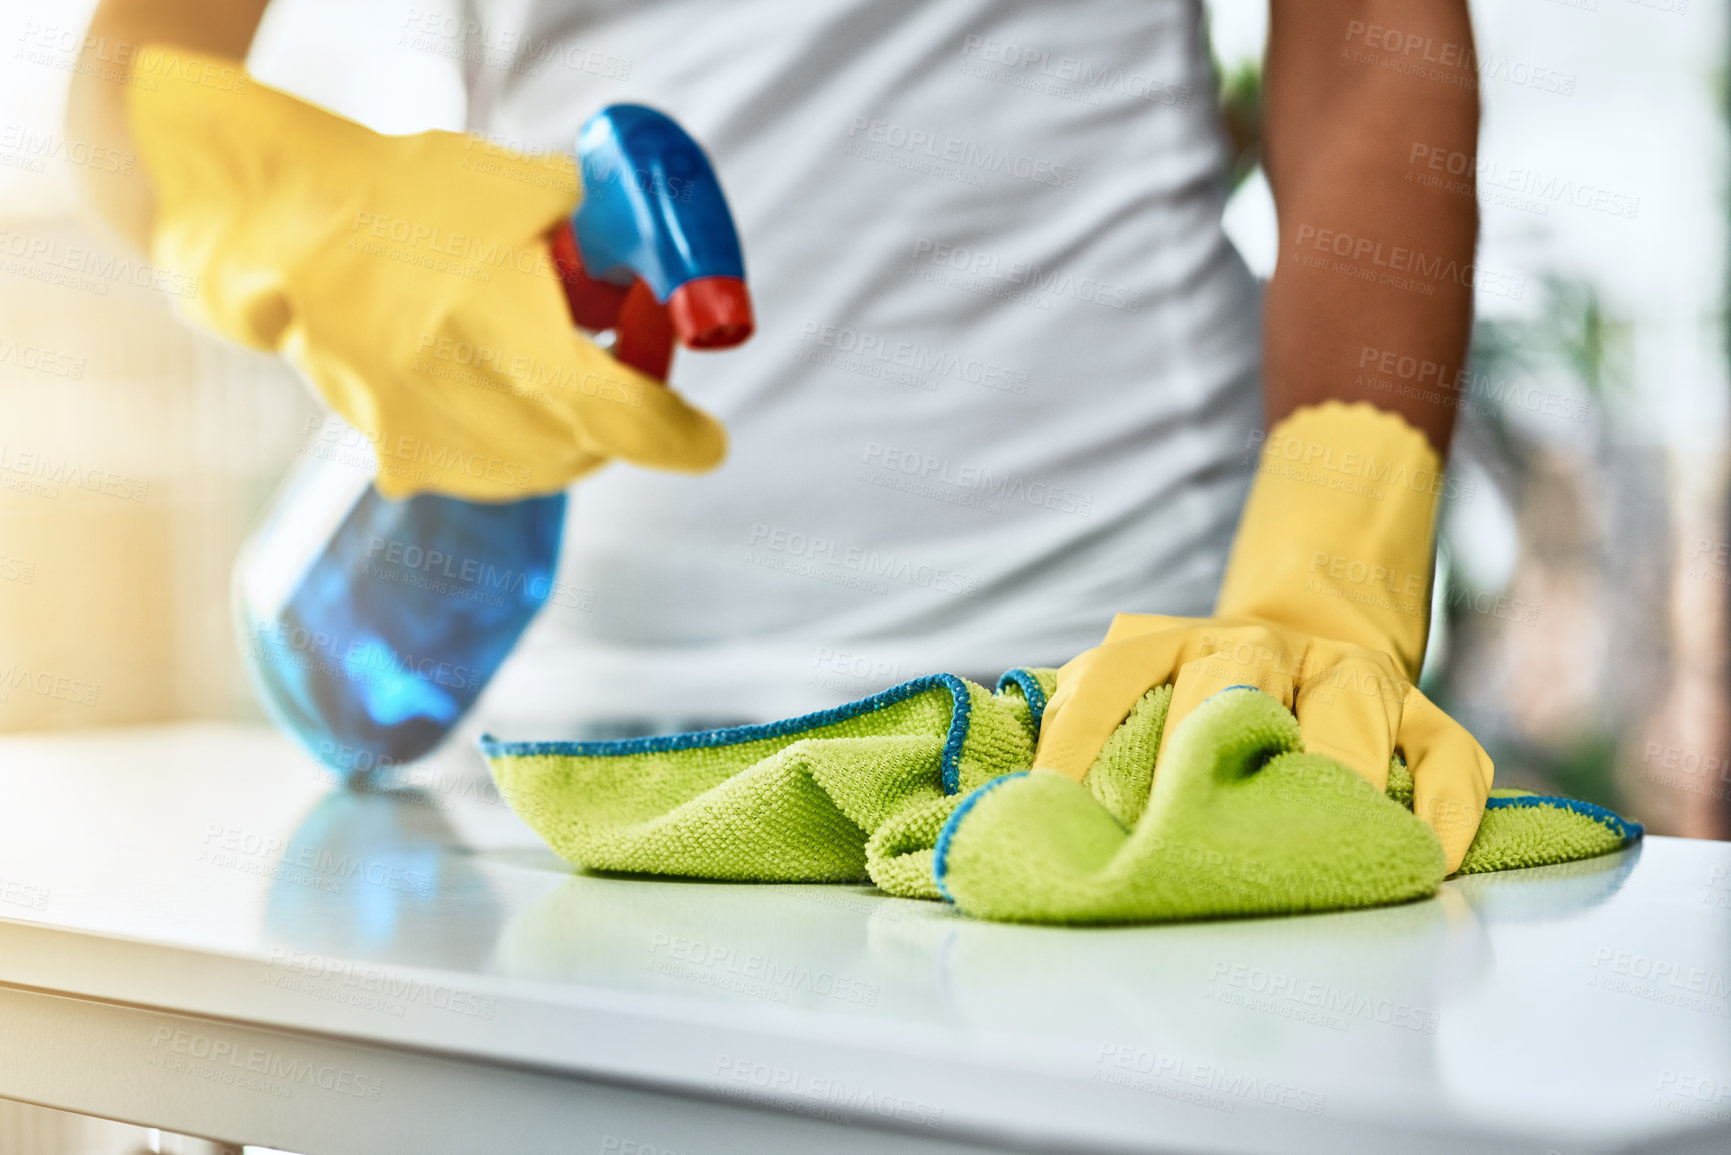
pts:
[370, 626]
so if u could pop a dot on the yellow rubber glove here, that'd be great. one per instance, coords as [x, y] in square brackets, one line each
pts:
[1325, 605]
[409, 279]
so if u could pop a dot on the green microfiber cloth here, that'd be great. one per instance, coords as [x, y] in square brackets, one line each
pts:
[925, 790]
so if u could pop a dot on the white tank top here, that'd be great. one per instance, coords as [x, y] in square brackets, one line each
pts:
[1006, 359]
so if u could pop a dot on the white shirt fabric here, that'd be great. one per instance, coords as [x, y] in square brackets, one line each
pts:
[1006, 362]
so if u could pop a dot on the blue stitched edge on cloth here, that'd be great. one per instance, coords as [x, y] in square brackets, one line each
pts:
[963, 709]
[1031, 693]
[1623, 828]
[941, 848]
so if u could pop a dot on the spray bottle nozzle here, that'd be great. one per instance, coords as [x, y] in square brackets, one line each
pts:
[651, 251]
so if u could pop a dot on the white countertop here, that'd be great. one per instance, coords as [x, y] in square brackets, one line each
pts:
[213, 871]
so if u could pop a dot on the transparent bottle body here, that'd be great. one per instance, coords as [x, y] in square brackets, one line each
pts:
[370, 626]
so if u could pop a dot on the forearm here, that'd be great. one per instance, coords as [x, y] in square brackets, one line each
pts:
[96, 105]
[1372, 294]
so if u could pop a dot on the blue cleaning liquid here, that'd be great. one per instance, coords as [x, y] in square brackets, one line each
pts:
[399, 621]
[370, 626]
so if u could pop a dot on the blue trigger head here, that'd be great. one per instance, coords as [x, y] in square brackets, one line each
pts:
[652, 207]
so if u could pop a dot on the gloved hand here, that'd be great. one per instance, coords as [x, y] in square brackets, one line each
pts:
[409, 279]
[1325, 605]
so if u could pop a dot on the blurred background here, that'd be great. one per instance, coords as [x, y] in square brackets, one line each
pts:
[1582, 628]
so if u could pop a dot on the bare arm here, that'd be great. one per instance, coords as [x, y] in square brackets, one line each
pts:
[96, 105]
[1372, 128]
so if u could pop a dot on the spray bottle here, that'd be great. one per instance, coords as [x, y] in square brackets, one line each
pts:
[370, 626]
